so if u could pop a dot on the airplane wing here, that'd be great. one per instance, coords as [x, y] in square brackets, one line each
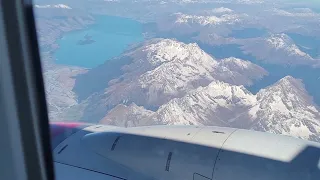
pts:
[84, 151]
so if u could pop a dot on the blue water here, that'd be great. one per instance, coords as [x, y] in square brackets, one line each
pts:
[248, 33]
[308, 44]
[112, 36]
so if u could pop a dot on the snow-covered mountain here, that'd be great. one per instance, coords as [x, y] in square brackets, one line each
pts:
[277, 49]
[126, 116]
[250, 1]
[218, 20]
[156, 72]
[221, 10]
[62, 6]
[208, 20]
[296, 12]
[286, 108]
[214, 105]
[238, 72]
[282, 108]
[284, 42]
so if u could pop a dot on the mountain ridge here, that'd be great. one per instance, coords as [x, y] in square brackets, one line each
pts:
[158, 71]
[282, 108]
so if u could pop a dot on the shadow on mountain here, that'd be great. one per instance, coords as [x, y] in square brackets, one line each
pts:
[97, 79]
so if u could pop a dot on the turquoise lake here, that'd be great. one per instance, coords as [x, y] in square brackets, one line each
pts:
[109, 37]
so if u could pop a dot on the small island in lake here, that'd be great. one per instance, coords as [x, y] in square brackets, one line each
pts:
[87, 40]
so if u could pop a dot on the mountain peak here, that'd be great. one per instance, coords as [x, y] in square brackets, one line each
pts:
[238, 71]
[250, 1]
[232, 61]
[290, 80]
[278, 49]
[210, 105]
[286, 86]
[283, 43]
[159, 51]
[289, 84]
[209, 19]
[127, 116]
[60, 6]
[279, 40]
[286, 96]
[221, 10]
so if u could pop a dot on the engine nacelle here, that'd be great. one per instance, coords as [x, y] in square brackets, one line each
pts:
[190, 152]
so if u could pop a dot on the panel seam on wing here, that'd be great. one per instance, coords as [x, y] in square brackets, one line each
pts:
[215, 162]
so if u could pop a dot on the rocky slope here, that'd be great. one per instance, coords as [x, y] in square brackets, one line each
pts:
[53, 20]
[59, 82]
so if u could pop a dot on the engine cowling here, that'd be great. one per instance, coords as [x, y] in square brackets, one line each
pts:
[190, 152]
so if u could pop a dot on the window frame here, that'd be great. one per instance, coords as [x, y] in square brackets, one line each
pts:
[24, 125]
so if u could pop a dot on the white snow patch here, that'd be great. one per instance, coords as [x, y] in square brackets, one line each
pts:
[221, 10]
[301, 131]
[253, 111]
[250, 1]
[300, 12]
[210, 20]
[61, 6]
[284, 42]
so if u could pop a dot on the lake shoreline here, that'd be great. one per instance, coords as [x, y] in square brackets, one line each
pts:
[111, 35]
